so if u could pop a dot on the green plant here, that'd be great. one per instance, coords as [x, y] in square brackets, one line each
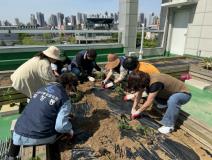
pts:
[124, 123]
[144, 130]
[35, 158]
[31, 41]
[72, 40]
[119, 89]
[124, 126]
[150, 43]
[207, 63]
[76, 97]
[7, 94]
[100, 75]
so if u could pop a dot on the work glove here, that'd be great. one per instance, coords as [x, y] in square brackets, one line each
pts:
[104, 81]
[92, 79]
[109, 85]
[135, 114]
[129, 97]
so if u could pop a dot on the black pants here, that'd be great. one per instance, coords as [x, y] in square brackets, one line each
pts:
[14, 150]
[52, 151]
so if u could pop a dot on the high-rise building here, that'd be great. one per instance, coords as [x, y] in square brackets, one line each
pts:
[33, 20]
[155, 20]
[53, 20]
[60, 18]
[73, 20]
[111, 15]
[141, 18]
[84, 18]
[145, 22]
[17, 22]
[116, 17]
[40, 18]
[151, 18]
[67, 20]
[79, 18]
[7, 23]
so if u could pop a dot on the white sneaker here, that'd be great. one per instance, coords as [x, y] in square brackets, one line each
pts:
[161, 106]
[165, 130]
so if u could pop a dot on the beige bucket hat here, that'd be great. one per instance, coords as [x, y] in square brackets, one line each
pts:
[54, 53]
[113, 61]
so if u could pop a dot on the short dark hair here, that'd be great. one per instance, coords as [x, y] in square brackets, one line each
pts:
[130, 63]
[91, 53]
[138, 80]
[67, 79]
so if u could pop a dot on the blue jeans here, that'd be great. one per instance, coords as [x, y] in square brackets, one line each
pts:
[174, 103]
[21, 140]
[76, 71]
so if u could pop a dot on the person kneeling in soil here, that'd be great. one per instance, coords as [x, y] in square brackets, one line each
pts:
[162, 88]
[123, 65]
[132, 64]
[83, 64]
[46, 115]
[115, 64]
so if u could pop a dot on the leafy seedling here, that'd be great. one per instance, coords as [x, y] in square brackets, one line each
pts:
[119, 90]
[77, 96]
[100, 75]
[124, 123]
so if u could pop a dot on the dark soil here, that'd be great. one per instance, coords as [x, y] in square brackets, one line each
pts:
[104, 130]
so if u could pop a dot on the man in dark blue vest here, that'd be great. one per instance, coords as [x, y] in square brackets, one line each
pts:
[46, 115]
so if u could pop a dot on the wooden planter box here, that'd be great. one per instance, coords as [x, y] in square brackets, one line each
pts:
[199, 73]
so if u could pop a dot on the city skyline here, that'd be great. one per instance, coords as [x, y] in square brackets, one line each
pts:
[98, 6]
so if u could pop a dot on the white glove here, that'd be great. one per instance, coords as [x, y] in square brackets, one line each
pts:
[91, 79]
[109, 85]
[133, 110]
[71, 133]
[104, 81]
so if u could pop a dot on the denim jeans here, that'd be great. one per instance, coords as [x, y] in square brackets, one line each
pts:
[21, 140]
[174, 103]
[76, 71]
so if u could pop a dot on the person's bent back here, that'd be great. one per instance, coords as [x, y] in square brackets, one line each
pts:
[132, 64]
[46, 115]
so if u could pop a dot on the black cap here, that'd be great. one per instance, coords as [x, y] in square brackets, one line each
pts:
[130, 63]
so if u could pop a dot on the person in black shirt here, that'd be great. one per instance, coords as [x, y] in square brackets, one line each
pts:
[84, 63]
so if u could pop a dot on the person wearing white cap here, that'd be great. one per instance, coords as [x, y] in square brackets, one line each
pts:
[36, 72]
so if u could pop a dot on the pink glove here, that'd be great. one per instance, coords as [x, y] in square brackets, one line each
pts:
[136, 114]
[129, 97]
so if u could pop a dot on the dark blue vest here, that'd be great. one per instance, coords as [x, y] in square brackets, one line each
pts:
[38, 118]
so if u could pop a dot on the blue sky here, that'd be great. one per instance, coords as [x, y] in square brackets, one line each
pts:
[10, 9]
